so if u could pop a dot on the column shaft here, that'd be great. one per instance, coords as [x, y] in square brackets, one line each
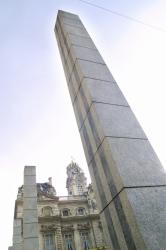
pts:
[17, 234]
[30, 215]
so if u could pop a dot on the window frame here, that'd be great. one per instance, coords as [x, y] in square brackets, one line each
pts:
[67, 210]
[85, 237]
[83, 211]
[50, 246]
[47, 214]
[72, 240]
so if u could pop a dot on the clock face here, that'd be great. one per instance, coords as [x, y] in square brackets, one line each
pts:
[74, 170]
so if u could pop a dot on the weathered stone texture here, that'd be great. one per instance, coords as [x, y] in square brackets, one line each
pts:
[59, 237]
[17, 234]
[127, 176]
[98, 232]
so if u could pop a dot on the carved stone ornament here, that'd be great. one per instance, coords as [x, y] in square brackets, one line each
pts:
[46, 190]
[20, 192]
[48, 228]
[84, 226]
[65, 228]
[100, 225]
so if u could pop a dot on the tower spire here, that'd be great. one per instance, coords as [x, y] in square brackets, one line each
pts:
[76, 182]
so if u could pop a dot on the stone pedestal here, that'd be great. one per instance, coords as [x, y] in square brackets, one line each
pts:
[127, 176]
[30, 216]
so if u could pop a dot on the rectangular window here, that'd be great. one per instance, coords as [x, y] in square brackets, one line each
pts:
[68, 239]
[85, 240]
[49, 243]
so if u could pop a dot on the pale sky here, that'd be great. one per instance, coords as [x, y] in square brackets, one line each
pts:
[37, 125]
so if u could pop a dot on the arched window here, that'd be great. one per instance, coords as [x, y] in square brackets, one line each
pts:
[66, 212]
[47, 211]
[81, 211]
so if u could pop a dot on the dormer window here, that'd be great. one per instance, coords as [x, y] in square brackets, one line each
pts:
[66, 212]
[47, 211]
[81, 211]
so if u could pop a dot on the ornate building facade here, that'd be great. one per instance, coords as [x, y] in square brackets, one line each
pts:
[64, 222]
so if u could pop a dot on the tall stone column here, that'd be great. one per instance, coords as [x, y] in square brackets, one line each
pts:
[17, 234]
[127, 176]
[30, 215]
